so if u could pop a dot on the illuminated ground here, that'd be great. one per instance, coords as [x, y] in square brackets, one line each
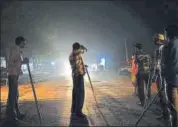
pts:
[115, 101]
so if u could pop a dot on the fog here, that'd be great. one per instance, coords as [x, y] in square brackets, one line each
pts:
[51, 27]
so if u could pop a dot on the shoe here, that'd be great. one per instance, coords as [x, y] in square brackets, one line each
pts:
[80, 115]
[11, 122]
[12, 119]
[20, 116]
[140, 104]
[15, 119]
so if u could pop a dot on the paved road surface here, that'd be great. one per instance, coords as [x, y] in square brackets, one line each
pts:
[114, 97]
[38, 77]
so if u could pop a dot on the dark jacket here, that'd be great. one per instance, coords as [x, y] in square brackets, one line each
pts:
[140, 60]
[171, 62]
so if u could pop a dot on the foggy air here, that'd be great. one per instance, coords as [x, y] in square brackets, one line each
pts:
[71, 59]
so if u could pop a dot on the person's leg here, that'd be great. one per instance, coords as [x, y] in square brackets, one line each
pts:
[9, 100]
[82, 93]
[137, 86]
[159, 83]
[140, 89]
[133, 79]
[16, 103]
[148, 85]
[18, 113]
[170, 93]
[77, 94]
[80, 96]
[74, 95]
[13, 83]
[145, 87]
[175, 104]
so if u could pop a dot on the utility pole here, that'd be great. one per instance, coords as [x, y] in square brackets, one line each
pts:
[126, 50]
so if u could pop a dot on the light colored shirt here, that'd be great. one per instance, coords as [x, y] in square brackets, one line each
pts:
[14, 61]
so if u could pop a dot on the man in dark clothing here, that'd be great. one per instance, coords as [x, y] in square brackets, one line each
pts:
[143, 61]
[171, 69]
[159, 41]
[78, 71]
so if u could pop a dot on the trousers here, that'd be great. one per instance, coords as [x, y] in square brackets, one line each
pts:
[12, 108]
[172, 93]
[142, 81]
[78, 94]
[163, 104]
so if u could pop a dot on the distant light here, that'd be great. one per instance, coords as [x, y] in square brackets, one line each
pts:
[53, 63]
[93, 67]
[102, 61]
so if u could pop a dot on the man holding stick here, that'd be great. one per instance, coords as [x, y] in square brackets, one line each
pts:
[78, 72]
[14, 62]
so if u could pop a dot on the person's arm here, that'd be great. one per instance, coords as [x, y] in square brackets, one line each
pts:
[124, 63]
[79, 52]
[173, 55]
[136, 59]
[129, 62]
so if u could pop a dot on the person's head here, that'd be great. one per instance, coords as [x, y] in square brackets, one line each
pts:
[20, 41]
[76, 46]
[138, 46]
[159, 39]
[171, 31]
[133, 56]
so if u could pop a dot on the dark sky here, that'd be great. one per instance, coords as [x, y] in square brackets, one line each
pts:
[102, 26]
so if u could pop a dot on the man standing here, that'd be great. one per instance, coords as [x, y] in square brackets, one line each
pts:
[143, 61]
[14, 62]
[133, 74]
[159, 41]
[171, 70]
[78, 71]
[133, 71]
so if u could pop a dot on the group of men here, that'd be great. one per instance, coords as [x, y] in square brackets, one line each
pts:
[166, 60]
[161, 69]
[14, 63]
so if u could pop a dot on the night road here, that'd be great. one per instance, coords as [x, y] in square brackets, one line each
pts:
[119, 42]
[115, 99]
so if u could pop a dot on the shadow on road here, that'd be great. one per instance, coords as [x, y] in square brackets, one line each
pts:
[75, 121]
[7, 123]
[50, 110]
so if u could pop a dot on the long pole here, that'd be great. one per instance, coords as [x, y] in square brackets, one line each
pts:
[34, 93]
[148, 106]
[126, 50]
[95, 96]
